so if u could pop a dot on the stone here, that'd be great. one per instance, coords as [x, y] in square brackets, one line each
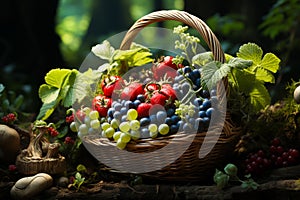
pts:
[28, 187]
[9, 144]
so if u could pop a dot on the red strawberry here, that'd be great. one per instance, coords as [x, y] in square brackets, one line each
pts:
[143, 109]
[101, 103]
[159, 98]
[132, 91]
[168, 91]
[166, 67]
[108, 84]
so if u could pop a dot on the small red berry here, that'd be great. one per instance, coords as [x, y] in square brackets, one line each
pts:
[275, 142]
[12, 168]
[280, 150]
[261, 153]
[294, 153]
[273, 149]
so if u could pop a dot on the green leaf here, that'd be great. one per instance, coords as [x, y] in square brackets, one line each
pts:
[18, 101]
[239, 63]
[46, 110]
[202, 58]
[213, 72]
[259, 96]
[81, 168]
[104, 51]
[263, 75]
[250, 51]
[141, 58]
[56, 77]
[270, 62]
[48, 93]
[67, 91]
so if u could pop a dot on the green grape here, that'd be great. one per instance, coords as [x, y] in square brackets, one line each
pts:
[132, 114]
[94, 114]
[125, 137]
[86, 110]
[135, 134]
[83, 128]
[95, 124]
[121, 145]
[134, 125]
[153, 134]
[109, 132]
[103, 134]
[74, 126]
[105, 126]
[87, 120]
[124, 127]
[115, 123]
[152, 128]
[163, 129]
[117, 135]
[80, 134]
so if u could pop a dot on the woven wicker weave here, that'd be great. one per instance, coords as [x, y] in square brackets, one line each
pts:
[188, 166]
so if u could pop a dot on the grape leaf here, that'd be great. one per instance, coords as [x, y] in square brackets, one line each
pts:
[250, 51]
[56, 77]
[67, 90]
[48, 93]
[213, 72]
[104, 51]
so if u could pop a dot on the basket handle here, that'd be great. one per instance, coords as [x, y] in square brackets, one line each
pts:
[181, 16]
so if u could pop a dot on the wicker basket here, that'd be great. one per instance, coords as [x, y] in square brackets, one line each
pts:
[188, 166]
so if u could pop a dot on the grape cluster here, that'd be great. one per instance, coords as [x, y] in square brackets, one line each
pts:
[9, 118]
[257, 163]
[195, 116]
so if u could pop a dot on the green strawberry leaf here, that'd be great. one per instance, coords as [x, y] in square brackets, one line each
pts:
[213, 72]
[48, 93]
[202, 58]
[263, 74]
[270, 62]
[239, 63]
[141, 58]
[259, 97]
[250, 51]
[56, 77]
[46, 110]
[241, 79]
[104, 51]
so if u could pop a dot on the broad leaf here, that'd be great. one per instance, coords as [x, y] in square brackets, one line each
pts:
[242, 79]
[46, 110]
[48, 93]
[213, 72]
[259, 96]
[202, 58]
[270, 62]
[67, 90]
[250, 51]
[263, 75]
[239, 63]
[104, 51]
[141, 58]
[56, 77]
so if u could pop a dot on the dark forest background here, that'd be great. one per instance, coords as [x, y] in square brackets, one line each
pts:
[37, 36]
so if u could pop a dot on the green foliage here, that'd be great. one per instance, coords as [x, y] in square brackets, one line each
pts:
[119, 61]
[79, 180]
[222, 179]
[57, 90]
[282, 18]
